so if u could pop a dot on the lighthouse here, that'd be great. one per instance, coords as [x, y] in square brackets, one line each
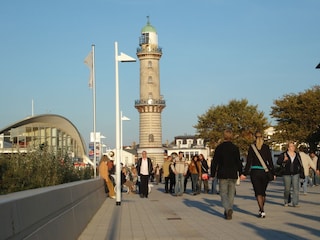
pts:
[151, 102]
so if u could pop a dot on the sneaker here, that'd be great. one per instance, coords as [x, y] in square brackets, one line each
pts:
[262, 214]
[286, 205]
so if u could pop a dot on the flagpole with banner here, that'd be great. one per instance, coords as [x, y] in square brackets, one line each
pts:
[89, 61]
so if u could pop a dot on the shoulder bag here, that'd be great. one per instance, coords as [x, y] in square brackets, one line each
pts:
[301, 172]
[266, 169]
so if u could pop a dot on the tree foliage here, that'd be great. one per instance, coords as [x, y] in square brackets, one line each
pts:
[242, 118]
[298, 117]
[22, 171]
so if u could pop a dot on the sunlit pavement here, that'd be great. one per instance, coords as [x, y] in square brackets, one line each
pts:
[163, 216]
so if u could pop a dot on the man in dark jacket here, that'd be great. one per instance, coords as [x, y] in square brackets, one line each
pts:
[226, 164]
[144, 169]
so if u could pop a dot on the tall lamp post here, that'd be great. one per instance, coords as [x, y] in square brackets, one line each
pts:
[118, 58]
[123, 118]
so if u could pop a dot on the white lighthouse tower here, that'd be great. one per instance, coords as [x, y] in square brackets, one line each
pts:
[151, 103]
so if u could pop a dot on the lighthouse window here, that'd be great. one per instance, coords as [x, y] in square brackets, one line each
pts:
[149, 79]
[149, 64]
[146, 37]
[151, 138]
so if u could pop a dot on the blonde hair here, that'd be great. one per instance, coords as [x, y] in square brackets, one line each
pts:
[259, 140]
[291, 142]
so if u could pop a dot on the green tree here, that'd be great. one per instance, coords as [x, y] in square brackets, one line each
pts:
[242, 118]
[298, 117]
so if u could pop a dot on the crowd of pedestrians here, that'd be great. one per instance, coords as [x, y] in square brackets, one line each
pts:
[299, 169]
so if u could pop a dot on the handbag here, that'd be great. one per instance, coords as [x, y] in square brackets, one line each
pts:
[270, 175]
[204, 176]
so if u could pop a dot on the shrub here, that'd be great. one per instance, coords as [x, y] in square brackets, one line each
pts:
[22, 171]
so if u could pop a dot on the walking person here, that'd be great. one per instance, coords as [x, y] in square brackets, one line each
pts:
[308, 167]
[157, 174]
[291, 163]
[166, 173]
[134, 173]
[186, 177]
[194, 169]
[105, 170]
[144, 168]
[314, 157]
[204, 169]
[172, 177]
[179, 168]
[226, 166]
[258, 175]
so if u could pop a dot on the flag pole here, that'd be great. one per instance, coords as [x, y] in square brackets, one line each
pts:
[94, 116]
[32, 108]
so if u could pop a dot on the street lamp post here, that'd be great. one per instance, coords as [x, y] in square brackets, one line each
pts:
[118, 58]
[123, 118]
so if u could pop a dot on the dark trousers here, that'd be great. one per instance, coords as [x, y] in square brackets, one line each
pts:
[166, 184]
[144, 181]
[172, 177]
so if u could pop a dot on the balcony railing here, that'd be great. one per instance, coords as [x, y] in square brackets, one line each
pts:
[143, 102]
[149, 50]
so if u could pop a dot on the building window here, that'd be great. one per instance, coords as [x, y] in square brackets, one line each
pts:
[149, 64]
[150, 80]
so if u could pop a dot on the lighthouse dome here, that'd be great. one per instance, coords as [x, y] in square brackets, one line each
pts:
[148, 28]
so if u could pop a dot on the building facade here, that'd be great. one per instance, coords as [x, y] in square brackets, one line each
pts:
[190, 146]
[54, 132]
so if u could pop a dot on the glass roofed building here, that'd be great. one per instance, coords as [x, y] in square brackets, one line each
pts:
[48, 130]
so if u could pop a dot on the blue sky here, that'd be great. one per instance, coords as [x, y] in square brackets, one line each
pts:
[213, 51]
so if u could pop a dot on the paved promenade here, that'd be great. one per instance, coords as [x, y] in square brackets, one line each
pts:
[163, 216]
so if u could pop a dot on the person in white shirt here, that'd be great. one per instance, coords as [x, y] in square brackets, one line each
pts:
[144, 168]
[180, 169]
[307, 164]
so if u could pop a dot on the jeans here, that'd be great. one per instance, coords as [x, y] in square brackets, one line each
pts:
[315, 178]
[214, 186]
[195, 183]
[305, 184]
[311, 177]
[291, 181]
[179, 188]
[227, 188]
